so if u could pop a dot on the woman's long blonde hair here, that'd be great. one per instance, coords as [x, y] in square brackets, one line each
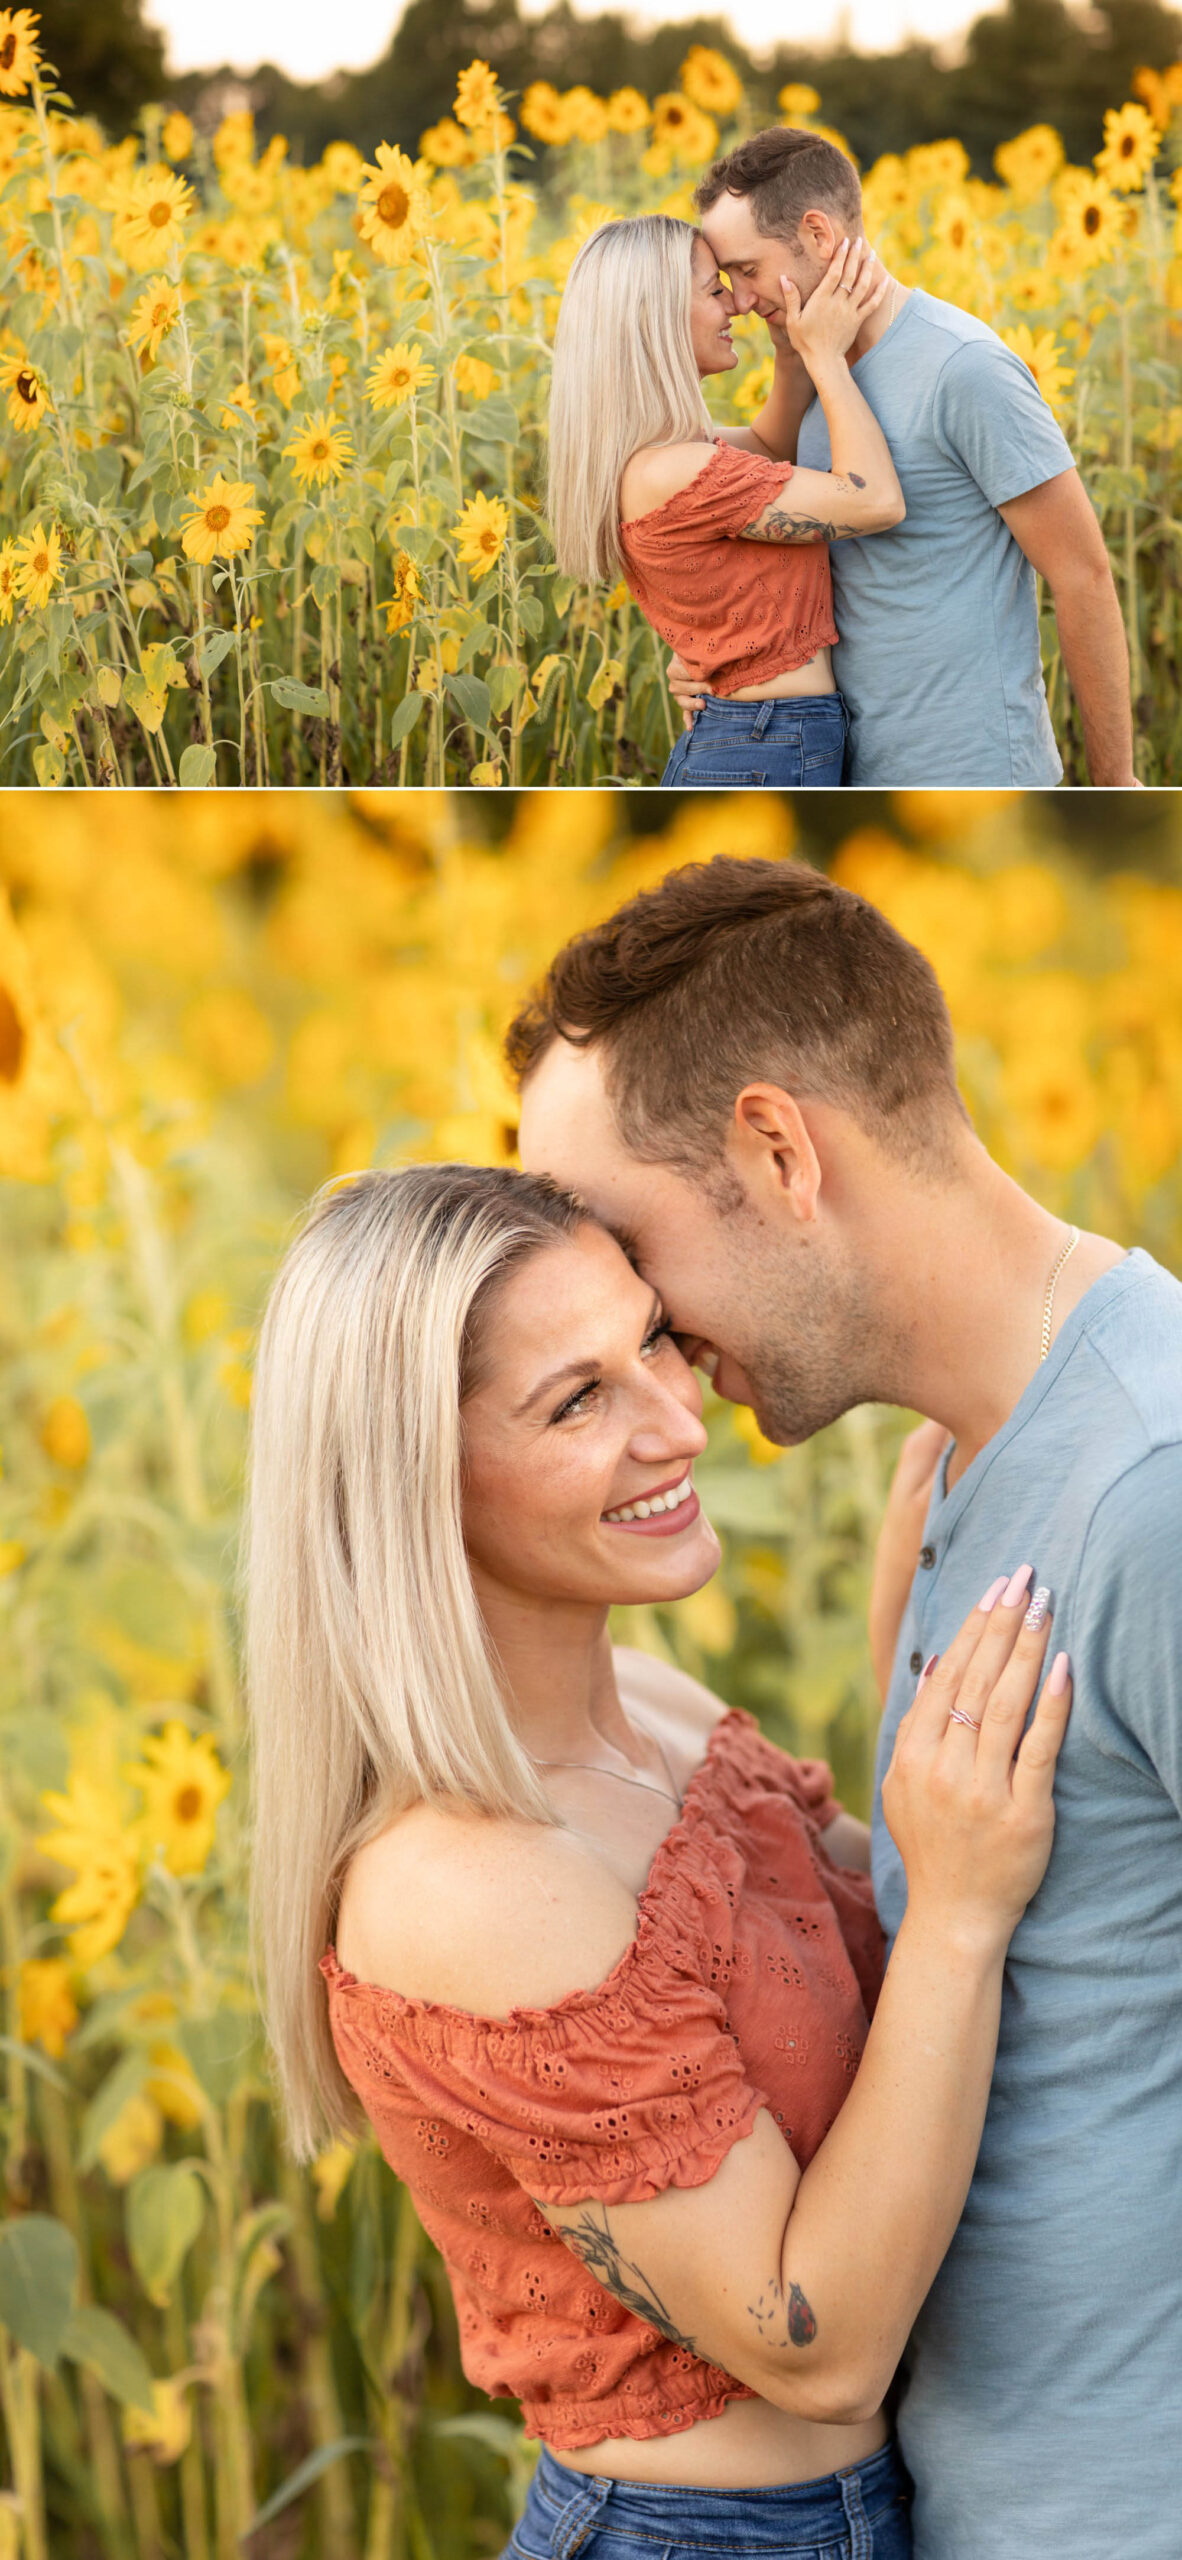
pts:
[624, 376]
[369, 1675]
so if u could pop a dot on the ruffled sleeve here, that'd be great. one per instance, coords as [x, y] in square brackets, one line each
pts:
[614, 2093]
[730, 490]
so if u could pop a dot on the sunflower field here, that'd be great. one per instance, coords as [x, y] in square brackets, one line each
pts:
[274, 436]
[202, 2351]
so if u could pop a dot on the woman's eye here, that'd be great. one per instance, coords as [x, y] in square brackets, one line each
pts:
[578, 1402]
[662, 1332]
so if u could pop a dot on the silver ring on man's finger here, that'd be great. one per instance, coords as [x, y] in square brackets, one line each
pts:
[956, 1715]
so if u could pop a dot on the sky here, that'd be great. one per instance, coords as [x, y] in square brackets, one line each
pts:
[308, 43]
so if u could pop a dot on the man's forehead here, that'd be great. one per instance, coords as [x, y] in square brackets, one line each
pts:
[730, 228]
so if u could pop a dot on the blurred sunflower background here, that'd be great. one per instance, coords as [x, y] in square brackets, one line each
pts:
[205, 1009]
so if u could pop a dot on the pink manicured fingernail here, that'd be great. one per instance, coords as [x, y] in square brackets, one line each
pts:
[1016, 1586]
[1060, 1674]
[993, 1595]
[928, 1668]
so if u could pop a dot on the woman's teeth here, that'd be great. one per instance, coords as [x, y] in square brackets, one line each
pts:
[657, 1502]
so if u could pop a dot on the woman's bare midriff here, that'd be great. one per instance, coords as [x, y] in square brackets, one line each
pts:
[816, 676]
[751, 2446]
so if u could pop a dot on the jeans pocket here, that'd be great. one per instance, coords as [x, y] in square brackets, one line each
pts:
[700, 777]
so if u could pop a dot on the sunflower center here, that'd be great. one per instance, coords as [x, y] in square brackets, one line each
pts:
[40, 562]
[394, 206]
[12, 1039]
[958, 235]
[188, 1804]
[400, 377]
[25, 387]
[160, 215]
[217, 518]
[1128, 146]
[1091, 220]
[674, 116]
[160, 316]
[320, 451]
[488, 539]
[7, 53]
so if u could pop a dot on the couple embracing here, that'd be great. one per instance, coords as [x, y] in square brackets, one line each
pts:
[783, 2247]
[850, 584]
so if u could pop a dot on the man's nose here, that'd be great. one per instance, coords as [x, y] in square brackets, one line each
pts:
[743, 295]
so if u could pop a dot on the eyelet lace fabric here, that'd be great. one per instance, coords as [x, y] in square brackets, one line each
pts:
[736, 612]
[749, 1983]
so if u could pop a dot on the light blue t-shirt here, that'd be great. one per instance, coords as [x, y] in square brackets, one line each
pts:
[1042, 2407]
[939, 654]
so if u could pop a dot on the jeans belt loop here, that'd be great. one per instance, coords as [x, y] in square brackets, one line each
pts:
[764, 715]
[861, 2546]
[578, 2519]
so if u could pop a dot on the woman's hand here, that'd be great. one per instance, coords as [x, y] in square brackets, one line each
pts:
[968, 1795]
[828, 323]
[897, 1552]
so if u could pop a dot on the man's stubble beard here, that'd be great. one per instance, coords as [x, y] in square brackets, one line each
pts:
[817, 1349]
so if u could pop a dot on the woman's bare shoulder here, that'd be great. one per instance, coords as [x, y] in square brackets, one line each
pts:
[661, 471]
[480, 1913]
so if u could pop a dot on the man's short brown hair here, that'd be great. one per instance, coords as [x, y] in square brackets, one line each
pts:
[786, 173]
[733, 970]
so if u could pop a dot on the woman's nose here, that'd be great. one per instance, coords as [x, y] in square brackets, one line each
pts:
[672, 1425]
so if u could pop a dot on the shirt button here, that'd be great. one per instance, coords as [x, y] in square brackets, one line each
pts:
[916, 1663]
[927, 1557]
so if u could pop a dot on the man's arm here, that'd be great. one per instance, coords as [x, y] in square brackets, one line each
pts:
[1057, 528]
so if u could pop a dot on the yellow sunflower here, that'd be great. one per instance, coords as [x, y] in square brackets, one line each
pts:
[7, 581]
[343, 167]
[1030, 162]
[683, 129]
[798, 100]
[48, 2009]
[954, 223]
[1092, 223]
[222, 520]
[321, 451]
[586, 115]
[28, 392]
[1042, 355]
[408, 588]
[243, 398]
[393, 208]
[1131, 145]
[19, 60]
[153, 210]
[445, 145]
[938, 164]
[38, 565]
[628, 112]
[477, 96]
[543, 113]
[396, 376]
[711, 81]
[481, 534]
[156, 312]
[94, 1838]
[472, 375]
[176, 136]
[183, 1783]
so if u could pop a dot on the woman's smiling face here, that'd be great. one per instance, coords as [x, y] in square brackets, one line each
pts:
[711, 309]
[581, 1427]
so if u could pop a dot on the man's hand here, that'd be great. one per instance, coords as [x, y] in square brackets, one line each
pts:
[686, 689]
[1057, 528]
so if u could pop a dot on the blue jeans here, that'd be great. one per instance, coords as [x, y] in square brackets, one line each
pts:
[857, 2514]
[792, 745]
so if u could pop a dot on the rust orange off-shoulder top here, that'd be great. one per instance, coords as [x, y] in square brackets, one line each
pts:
[749, 1983]
[736, 612]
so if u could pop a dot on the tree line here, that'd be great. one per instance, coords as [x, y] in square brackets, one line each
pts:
[1027, 62]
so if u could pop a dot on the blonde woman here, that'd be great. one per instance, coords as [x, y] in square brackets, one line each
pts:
[719, 536]
[595, 1960]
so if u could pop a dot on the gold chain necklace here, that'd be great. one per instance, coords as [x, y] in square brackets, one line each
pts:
[1049, 1300]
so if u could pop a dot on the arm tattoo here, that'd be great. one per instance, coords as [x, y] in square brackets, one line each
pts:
[774, 525]
[591, 2239]
[796, 2314]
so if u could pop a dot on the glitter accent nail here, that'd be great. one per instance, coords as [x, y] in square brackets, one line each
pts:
[1036, 1614]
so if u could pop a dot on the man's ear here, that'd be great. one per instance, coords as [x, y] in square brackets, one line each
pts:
[774, 1153]
[820, 234]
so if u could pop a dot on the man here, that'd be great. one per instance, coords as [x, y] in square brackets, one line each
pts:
[939, 659]
[749, 1074]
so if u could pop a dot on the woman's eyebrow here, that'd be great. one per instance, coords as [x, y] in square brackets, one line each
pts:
[575, 1368]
